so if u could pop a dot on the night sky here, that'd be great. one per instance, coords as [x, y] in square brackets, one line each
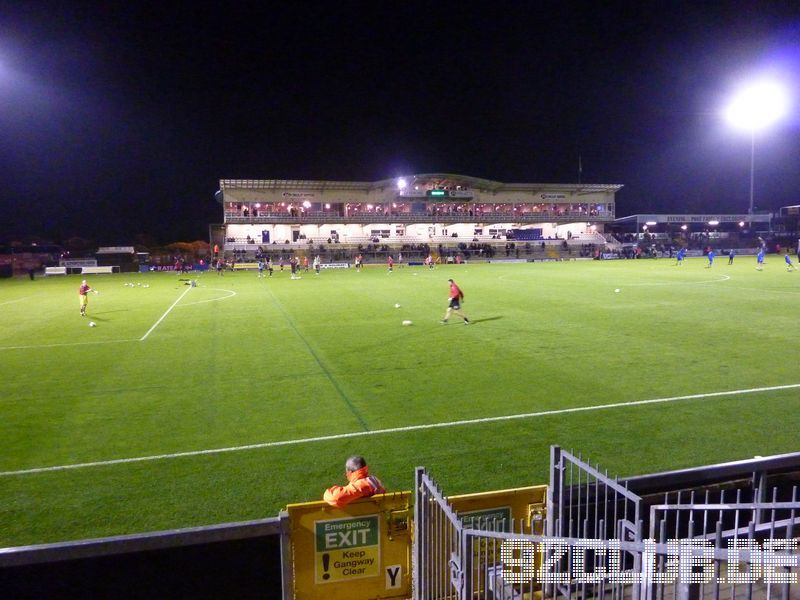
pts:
[120, 118]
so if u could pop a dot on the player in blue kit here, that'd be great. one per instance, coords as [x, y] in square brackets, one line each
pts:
[760, 260]
[710, 259]
[789, 265]
[679, 257]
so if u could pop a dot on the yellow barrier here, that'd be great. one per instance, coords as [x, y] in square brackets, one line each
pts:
[515, 510]
[523, 505]
[359, 552]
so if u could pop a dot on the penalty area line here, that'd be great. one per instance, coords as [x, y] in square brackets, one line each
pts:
[355, 434]
[149, 331]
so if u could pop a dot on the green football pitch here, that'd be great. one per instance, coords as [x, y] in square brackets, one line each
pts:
[189, 406]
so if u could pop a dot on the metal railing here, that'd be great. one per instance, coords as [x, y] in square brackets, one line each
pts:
[710, 545]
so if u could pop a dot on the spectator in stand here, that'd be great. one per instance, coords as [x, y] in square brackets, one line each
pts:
[360, 484]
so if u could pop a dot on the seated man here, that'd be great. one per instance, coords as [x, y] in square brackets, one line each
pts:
[361, 484]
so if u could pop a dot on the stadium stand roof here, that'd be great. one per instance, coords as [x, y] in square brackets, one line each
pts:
[475, 182]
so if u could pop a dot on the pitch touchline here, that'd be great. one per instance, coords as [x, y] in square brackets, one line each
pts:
[341, 436]
[149, 331]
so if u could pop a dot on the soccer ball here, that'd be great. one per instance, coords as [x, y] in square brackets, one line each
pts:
[92, 324]
[397, 306]
[616, 291]
[406, 323]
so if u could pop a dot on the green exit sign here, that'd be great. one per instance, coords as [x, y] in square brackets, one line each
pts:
[437, 193]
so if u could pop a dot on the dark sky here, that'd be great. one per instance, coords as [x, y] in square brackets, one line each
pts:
[120, 118]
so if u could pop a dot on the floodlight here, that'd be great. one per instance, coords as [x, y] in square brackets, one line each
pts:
[401, 183]
[713, 223]
[754, 108]
[758, 106]
[651, 223]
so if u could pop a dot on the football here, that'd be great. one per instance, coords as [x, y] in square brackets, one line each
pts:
[92, 324]
[397, 306]
[406, 323]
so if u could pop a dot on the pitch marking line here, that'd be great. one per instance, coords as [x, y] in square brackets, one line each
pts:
[655, 283]
[231, 294]
[37, 346]
[149, 331]
[17, 300]
[354, 434]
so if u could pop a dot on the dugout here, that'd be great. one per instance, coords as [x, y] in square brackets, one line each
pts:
[123, 257]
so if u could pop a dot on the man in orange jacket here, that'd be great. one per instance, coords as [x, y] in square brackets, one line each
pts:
[361, 484]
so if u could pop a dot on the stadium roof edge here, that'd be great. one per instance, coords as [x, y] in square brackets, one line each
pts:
[476, 182]
[691, 217]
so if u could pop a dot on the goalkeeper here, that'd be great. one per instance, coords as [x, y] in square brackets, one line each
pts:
[83, 294]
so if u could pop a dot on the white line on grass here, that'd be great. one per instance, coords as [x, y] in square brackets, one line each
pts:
[354, 434]
[37, 346]
[654, 283]
[12, 301]
[149, 331]
[231, 294]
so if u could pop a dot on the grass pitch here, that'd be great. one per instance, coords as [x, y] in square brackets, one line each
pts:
[190, 406]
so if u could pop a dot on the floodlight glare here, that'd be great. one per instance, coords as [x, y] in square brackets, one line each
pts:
[713, 223]
[401, 184]
[650, 222]
[754, 108]
[758, 106]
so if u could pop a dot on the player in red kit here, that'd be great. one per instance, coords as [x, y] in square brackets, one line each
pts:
[390, 262]
[456, 298]
[83, 294]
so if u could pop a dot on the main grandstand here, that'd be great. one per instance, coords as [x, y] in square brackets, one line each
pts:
[444, 214]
